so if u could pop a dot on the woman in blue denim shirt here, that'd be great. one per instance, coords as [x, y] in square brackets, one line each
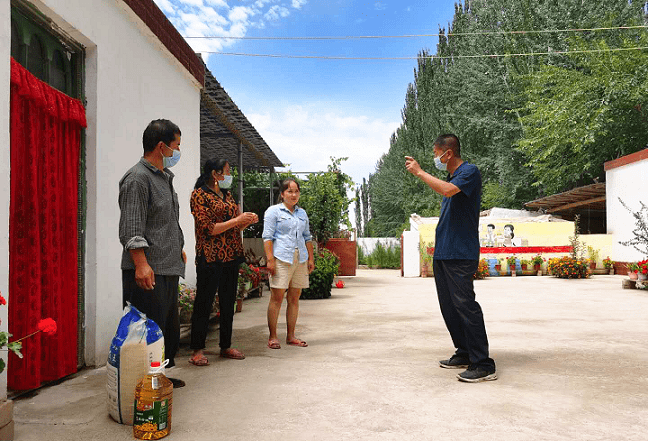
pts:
[289, 251]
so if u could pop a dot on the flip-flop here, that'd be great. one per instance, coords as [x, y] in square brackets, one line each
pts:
[232, 353]
[200, 361]
[274, 344]
[297, 342]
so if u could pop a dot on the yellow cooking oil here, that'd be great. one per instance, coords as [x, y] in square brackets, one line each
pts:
[153, 400]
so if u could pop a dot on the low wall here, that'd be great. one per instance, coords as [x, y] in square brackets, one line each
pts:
[368, 244]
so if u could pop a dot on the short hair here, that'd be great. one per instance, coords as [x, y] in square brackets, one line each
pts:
[159, 130]
[491, 225]
[449, 141]
[512, 228]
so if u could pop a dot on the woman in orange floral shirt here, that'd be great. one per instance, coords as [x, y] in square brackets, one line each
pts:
[219, 252]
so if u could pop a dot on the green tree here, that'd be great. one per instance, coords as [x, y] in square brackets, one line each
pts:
[578, 117]
[484, 101]
[324, 197]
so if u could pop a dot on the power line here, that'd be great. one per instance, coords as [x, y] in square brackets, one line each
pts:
[455, 34]
[430, 57]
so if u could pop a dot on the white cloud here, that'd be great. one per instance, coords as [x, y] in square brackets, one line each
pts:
[260, 3]
[217, 3]
[296, 129]
[275, 12]
[165, 6]
[240, 13]
[196, 3]
[297, 4]
[205, 18]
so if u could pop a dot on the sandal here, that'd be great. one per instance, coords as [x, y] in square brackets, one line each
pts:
[297, 342]
[274, 344]
[232, 353]
[199, 361]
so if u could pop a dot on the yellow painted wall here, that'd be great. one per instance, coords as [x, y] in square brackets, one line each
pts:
[532, 234]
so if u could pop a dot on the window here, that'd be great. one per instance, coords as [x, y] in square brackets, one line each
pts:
[49, 56]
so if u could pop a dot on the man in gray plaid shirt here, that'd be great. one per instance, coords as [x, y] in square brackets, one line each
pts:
[153, 259]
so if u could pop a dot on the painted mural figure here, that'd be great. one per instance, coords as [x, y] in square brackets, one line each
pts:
[509, 239]
[490, 236]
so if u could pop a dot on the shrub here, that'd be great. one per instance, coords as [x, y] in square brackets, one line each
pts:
[384, 257]
[608, 263]
[362, 259]
[320, 280]
[568, 268]
[482, 270]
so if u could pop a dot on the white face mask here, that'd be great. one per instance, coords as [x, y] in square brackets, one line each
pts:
[226, 182]
[440, 165]
[170, 161]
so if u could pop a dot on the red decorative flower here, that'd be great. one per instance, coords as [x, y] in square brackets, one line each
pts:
[48, 326]
[3, 301]
[340, 284]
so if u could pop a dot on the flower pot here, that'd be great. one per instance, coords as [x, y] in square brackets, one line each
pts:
[524, 266]
[498, 267]
[592, 265]
[632, 275]
[611, 271]
[641, 276]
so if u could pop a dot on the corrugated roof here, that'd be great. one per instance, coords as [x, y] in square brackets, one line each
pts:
[588, 198]
[223, 126]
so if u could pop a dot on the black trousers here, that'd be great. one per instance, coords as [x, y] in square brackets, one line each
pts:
[462, 314]
[210, 278]
[159, 305]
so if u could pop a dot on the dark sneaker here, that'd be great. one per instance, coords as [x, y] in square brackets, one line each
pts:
[477, 374]
[455, 362]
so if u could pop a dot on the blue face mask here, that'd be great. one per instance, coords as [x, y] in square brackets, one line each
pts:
[170, 161]
[225, 183]
[440, 165]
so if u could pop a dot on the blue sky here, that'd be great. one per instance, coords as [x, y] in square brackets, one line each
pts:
[309, 110]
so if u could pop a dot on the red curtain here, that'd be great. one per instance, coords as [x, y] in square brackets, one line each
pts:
[45, 127]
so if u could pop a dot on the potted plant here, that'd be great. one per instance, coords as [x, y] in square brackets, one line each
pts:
[608, 264]
[524, 263]
[633, 268]
[593, 255]
[642, 272]
[245, 281]
[511, 262]
[321, 279]
[186, 297]
[426, 251]
[498, 265]
[536, 261]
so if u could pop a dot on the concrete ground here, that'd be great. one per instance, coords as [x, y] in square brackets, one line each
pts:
[572, 359]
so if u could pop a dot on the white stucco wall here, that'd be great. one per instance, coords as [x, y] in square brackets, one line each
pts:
[625, 182]
[131, 79]
[5, 52]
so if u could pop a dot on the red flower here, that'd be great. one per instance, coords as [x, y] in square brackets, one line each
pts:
[3, 301]
[340, 284]
[48, 326]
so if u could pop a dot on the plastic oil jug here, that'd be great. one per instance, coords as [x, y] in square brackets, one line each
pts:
[153, 400]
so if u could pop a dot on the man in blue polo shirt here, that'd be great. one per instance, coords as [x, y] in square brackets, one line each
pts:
[456, 258]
